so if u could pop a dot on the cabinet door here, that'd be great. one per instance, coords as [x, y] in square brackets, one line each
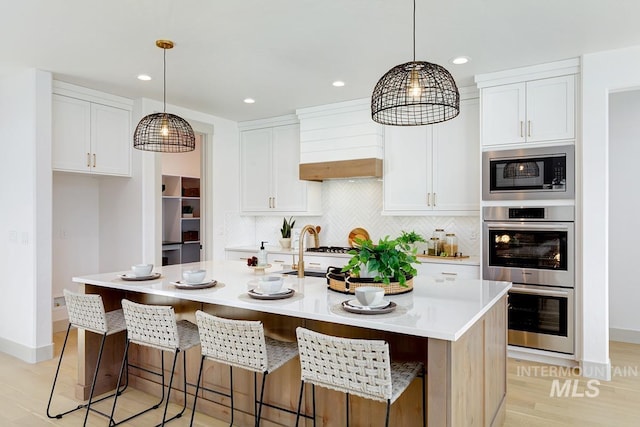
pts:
[456, 166]
[255, 154]
[551, 109]
[503, 114]
[288, 191]
[71, 134]
[407, 168]
[111, 140]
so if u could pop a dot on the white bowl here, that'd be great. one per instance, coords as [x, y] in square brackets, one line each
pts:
[270, 284]
[194, 276]
[142, 270]
[369, 295]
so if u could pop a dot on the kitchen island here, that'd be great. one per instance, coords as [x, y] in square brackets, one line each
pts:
[457, 328]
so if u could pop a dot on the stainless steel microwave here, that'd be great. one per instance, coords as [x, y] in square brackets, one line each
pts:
[529, 173]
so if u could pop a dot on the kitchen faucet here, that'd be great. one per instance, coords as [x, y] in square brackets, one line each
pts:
[312, 230]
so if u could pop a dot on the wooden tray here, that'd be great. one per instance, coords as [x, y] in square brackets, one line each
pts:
[442, 257]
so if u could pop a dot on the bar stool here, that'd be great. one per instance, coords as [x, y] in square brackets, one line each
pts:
[87, 312]
[156, 327]
[241, 343]
[356, 366]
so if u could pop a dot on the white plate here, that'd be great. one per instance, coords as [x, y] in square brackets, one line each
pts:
[356, 303]
[133, 277]
[261, 292]
[181, 284]
[288, 293]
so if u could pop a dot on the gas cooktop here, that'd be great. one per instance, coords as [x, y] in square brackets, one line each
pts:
[330, 249]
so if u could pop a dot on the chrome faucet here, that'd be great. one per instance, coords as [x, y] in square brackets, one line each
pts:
[312, 230]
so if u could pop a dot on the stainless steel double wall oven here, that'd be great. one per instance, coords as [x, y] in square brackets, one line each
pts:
[532, 246]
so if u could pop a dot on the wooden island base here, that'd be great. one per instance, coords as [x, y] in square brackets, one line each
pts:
[466, 378]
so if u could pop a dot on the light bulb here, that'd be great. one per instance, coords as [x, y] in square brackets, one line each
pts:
[521, 168]
[164, 130]
[414, 90]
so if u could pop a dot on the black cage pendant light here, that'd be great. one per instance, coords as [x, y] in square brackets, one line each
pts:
[415, 93]
[164, 132]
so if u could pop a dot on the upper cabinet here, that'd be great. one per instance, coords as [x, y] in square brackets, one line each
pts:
[91, 131]
[531, 105]
[434, 170]
[269, 159]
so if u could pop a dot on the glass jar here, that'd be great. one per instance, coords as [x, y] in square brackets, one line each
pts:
[433, 246]
[450, 245]
[439, 233]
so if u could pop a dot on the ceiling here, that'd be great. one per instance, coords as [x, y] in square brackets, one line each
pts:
[286, 53]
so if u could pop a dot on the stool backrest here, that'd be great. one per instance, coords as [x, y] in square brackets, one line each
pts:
[238, 343]
[356, 366]
[86, 311]
[151, 325]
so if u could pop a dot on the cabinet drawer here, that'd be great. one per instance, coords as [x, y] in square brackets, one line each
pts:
[239, 255]
[449, 271]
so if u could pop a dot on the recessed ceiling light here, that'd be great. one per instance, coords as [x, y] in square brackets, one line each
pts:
[144, 77]
[249, 100]
[459, 60]
[338, 83]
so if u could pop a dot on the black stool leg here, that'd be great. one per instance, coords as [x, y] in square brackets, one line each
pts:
[195, 396]
[313, 402]
[55, 379]
[264, 380]
[166, 404]
[347, 399]
[386, 423]
[231, 392]
[300, 403]
[95, 377]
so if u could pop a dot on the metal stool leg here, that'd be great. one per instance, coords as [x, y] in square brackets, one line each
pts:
[55, 379]
[231, 392]
[386, 423]
[347, 399]
[166, 404]
[300, 403]
[264, 380]
[195, 396]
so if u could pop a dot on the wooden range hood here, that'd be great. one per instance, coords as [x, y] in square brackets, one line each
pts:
[341, 169]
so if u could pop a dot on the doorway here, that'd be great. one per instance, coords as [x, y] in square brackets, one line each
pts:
[183, 204]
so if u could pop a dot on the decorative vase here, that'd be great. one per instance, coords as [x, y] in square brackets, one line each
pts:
[285, 243]
[365, 273]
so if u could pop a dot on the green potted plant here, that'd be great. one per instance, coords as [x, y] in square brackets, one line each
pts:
[187, 211]
[285, 231]
[391, 260]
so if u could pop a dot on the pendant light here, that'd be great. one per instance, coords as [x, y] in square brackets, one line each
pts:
[164, 132]
[415, 93]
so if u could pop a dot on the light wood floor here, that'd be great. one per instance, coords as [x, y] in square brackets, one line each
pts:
[24, 390]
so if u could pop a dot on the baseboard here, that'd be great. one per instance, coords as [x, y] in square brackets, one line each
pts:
[624, 335]
[596, 370]
[541, 356]
[24, 353]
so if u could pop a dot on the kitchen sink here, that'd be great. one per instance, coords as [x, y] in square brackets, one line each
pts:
[307, 273]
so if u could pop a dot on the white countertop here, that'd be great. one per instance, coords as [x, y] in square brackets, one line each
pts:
[471, 260]
[435, 309]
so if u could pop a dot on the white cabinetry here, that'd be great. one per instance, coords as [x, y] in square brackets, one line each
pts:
[530, 105]
[434, 169]
[269, 173]
[448, 271]
[91, 131]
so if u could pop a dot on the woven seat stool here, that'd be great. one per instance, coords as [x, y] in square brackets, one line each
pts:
[87, 312]
[354, 366]
[155, 326]
[241, 344]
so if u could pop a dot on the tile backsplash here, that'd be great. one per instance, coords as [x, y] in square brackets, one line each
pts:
[347, 205]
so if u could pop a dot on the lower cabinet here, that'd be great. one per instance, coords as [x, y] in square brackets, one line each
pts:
[448, 271]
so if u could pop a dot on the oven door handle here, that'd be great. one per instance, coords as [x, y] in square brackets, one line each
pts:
[526, 226]
[543, 292]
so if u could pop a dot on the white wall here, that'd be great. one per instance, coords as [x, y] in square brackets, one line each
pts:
[624, 205]
[75, 230]
[183, 164]
[25, 219]
[602, 73]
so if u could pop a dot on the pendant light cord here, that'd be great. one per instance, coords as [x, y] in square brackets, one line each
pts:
[414, 30]
[164, 78]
